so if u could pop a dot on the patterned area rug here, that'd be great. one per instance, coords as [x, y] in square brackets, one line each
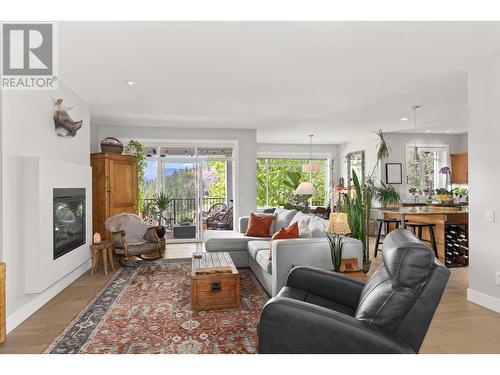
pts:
[146, 308]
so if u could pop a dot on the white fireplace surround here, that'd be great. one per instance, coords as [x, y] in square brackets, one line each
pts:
[41, 176]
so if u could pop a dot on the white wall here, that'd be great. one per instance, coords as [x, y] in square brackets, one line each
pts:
[94, 139]
[246, 187]
[28, 131]
[397, 143]
[484, 180]
[366, 143]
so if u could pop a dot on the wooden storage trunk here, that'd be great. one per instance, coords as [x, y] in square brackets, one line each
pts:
[214, 290]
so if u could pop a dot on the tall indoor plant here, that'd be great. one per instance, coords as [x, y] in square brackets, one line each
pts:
[358, 202]
[357, 205]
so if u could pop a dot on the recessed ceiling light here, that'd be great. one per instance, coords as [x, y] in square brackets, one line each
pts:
[404, 118]
[130, 83]
[427, 131]
[448, 131]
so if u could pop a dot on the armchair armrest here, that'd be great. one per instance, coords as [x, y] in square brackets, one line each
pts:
[287, 254]
[151, 235]
[119, 240]
[243, 223]
[291, 326]
[331, 285]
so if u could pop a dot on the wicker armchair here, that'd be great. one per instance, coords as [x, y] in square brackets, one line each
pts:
[212, 214]
[132, 237]
[223, 221]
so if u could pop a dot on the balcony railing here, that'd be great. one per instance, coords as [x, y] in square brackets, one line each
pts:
[180, 209]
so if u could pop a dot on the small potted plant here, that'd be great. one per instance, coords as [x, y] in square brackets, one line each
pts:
[387, 195]
[161, 201]
[336, 242]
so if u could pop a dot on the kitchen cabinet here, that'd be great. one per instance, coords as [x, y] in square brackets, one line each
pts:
[460, 168]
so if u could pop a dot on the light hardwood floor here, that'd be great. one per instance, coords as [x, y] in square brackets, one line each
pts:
[458, 326]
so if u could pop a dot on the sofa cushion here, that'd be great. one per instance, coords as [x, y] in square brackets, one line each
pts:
[262, 259]
[283, 218]
[318, 226]
[289, 232]
[227, 240]
[256, 246]
[304, 231]
[303, 220]
[260, 225]
[300, 215]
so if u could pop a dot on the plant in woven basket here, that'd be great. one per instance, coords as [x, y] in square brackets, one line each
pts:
[336, 242]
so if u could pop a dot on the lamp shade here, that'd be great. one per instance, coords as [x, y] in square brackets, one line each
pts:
[305, 188]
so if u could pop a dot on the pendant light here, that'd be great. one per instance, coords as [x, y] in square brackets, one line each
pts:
[416, 158]
[311, 167]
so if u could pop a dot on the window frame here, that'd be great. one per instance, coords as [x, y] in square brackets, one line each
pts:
[446, 161]
[324, 157]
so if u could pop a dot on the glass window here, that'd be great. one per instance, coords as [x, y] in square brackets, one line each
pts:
[272, 172]
[150, 178]
[423, 176]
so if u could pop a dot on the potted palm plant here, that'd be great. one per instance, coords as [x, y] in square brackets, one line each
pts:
[161, 201]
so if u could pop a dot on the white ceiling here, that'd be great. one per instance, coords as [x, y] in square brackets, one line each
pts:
[286, 79]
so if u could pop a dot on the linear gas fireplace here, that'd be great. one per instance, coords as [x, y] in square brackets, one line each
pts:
[69, 220]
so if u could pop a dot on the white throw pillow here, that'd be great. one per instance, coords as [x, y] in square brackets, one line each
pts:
[282, 218]
[318, 226]
[300, 216]
[304, 231]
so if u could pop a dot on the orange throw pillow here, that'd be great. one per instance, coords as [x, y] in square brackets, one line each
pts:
[292, 231]
[258, 225]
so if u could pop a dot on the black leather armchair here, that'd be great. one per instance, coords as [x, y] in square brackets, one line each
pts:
[325, 312]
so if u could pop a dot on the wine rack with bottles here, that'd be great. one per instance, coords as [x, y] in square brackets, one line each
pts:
[456, 245]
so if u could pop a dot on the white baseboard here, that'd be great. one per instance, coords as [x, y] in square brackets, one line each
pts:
[484, 300]
[20, 315]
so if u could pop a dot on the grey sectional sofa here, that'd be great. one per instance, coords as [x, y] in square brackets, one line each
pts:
[253, 252]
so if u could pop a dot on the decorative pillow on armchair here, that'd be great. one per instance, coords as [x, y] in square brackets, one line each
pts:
[259, 225]
[285, 233]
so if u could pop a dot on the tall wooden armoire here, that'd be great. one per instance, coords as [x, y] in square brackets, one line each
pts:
[114, 188]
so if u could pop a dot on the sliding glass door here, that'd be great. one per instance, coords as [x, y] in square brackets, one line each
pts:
[200, 190]
[180, 181]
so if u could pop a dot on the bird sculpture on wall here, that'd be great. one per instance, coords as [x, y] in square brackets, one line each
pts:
[65, 126]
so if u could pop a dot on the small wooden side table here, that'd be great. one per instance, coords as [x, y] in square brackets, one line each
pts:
[102, 250]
